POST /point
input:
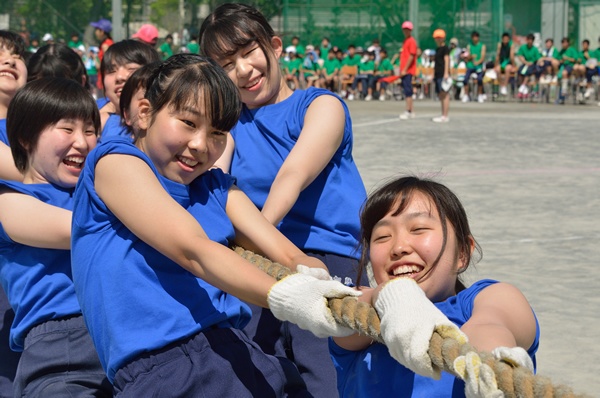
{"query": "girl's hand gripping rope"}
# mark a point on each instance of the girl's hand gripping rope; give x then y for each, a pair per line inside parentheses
(480, 380)
(408, 320)
(515, 356)
(303, 299)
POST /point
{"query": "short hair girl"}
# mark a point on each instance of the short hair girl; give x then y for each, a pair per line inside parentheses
(152, 271)
(52, 126)
(416, 230)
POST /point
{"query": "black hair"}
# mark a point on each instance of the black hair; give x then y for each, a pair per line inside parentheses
(13, 42)
(172, 85)
(233, 26)
(530, 36)
(395, 196)
(586, 41)
(43, 103)
(57, 60)
(138, 79)
(475, 34)
(550, 40)
(506, 34)
(169, 36)
(127, 52)
(565, 39)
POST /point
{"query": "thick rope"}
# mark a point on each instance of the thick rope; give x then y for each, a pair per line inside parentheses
(513, 381)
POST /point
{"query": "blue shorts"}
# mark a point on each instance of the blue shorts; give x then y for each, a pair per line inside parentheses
(438, 84)
(214, 363)
(525, 70)
(9, 359)
(60, 360)
(468, 74)
(407, 85)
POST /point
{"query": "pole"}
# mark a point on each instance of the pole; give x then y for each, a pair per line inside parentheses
(117, 20)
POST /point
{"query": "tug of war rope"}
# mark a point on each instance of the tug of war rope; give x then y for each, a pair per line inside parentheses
(513, 380)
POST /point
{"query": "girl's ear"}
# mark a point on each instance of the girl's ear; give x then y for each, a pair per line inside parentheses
(144, 114)
(463, 256)
(277, 45)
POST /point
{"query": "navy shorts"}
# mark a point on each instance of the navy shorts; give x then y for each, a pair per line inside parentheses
(59, 360)
(568, 68)
(468, 74)
(214, 363)
(407, 86)
(438, 84)
(308, 352)
(8, 358)
(525, 70)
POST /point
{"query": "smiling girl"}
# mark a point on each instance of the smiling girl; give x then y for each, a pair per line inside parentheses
(120, 61)
(52, 126)
(151, 266)
(416, 230)
(291, 153)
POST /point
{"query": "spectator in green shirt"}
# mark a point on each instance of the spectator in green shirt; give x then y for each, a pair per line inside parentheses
(588, 66)
(568, 57)
(292, 71)
(528, 55)
(352, 58)
(310, 69)
(330, 71)
(549, 63)
(166, 49)
(300, 50)
(75, 42)
(385, 69)
(365, 77)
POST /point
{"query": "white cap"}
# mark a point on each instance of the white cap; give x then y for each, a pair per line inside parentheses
(47, 37)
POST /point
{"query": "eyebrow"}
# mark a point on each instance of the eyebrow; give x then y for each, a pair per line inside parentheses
(410, 216)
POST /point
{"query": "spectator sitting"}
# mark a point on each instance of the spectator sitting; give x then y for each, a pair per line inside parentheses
(528, 55)
(549, 63)
(569, 57)
(330, 72)
(474, 57)
(385, 70)
(310, 69)
(365, 77)
(504, 64)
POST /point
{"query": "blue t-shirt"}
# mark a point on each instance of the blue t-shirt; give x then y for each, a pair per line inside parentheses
(373, 373)
(115, 129)
(133, 298)
(325, 217)
(3, 134)
(37, 281)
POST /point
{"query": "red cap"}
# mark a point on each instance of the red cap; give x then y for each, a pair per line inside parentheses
(407, 25)
(147, 33)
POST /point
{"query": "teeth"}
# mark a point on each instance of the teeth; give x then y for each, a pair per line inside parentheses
(75, 159)
(8, 74)
(405, 269)
(188, 162)
(253, 82)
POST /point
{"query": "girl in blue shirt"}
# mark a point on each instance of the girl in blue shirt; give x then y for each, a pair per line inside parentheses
(158, 287)
(416, 235)
(291, 153)
(52, 125)
(120, 61)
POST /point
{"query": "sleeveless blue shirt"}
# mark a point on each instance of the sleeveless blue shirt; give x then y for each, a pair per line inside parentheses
(133, 298)
(373, 372)
(3, 133)
(37, 282)
(325, 217)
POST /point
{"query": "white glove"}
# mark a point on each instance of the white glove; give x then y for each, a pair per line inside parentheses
(318, 273)
(302, 299)
(515, 356)
(480, 380)
(408, 320)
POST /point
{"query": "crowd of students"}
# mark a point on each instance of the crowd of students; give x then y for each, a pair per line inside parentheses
(520, 68)
(116, 218)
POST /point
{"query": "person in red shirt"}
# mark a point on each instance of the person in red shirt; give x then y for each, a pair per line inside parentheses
(408, 68)
(102, 32)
